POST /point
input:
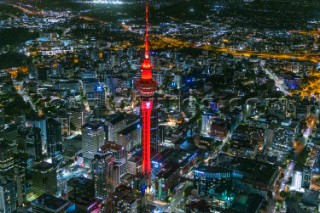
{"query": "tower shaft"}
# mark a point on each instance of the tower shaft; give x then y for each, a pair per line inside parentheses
(146, 109)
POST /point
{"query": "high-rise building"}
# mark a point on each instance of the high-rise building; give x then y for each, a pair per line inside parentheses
(114, 123)
(54, 139)
(123, 200)
(37, 143)
(64, 120)
(41, 123)
(92, 139)
(82, 192)
(219, 129)
(119, 154)
(44, 178)
(207, 177)
(110, 81)
(95, 92)
(130, 136)
(20, 179)
(102, 171)
(22, 138)
(306, 177)
(77, 118)
(301, 178)
(8, 196)
(146, 85)
(206, 121)
(6, 159)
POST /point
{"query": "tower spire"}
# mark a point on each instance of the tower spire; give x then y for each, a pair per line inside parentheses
(146, 54)
(146, 66)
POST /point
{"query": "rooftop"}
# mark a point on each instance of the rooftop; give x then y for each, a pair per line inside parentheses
(93, 126)
(258, 171)
(50, 202)
(212, 169)
(310, 197)
(168, 171)
(115, 118)
(90, 80)
(43, 167)
(130, 128)
(111, 146)
(81, 181)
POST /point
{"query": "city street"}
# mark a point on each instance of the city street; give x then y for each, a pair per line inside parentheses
(287, 175)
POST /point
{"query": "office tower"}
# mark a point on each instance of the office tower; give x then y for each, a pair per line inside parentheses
(54, 139)
(102, 171)
(92, 139)
(22, 138)
(41, 123)
(37, 143)
(130, 136)
(77, 118)
(44, 178)
(64, 120)
(306, 177)
(8, 196)
(95, 92)
(6, 160)
(114, 123)
(119, 154)
(146, 85)
(20, 180)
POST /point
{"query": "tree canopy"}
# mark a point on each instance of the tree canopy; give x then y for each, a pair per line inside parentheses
(14, 36)
(12, 59)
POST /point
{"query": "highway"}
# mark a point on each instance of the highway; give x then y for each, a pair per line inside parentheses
(24, 94)
(25, 10)
(171, 207)
(313, 57)
(177, 199)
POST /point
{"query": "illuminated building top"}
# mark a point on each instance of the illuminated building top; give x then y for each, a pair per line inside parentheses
(146, 84)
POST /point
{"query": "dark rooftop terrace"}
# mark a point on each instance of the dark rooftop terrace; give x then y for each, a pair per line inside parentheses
(254, 170)
(51, 202)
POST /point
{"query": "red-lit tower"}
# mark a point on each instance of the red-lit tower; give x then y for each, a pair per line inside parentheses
(146, 85)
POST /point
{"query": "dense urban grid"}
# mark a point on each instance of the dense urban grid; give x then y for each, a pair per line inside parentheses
(200, 106)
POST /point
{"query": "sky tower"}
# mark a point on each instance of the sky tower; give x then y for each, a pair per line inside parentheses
(146, 85)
